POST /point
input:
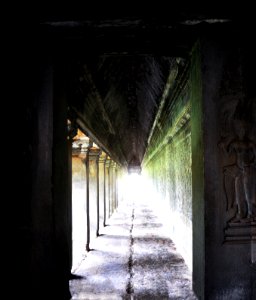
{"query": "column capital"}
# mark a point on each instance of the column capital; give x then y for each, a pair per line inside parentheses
(103, 157)
(108, 161)
(81, 145)
(113, 164)
(94, 152)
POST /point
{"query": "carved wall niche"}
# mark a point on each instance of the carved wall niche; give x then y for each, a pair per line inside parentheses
(238, 151)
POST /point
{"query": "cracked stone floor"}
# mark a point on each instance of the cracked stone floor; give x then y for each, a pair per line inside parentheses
(132, 259)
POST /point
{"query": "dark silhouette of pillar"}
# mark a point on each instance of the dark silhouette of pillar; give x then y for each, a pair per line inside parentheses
(94, 154)
(88, 198)
(102, 162)
(108, 186)
(47, 266)
(116, 187)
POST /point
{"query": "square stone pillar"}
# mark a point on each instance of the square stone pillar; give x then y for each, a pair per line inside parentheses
(117, 185)
(108, 186)
(223, 168)
(94, 154)
(102, 188)
(113, 186)
(46, 208)
(87, 165)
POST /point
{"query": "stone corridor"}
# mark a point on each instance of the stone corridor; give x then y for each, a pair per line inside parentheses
(96, 97)
(133, 258)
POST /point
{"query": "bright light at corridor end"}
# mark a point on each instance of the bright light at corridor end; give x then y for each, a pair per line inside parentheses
(135, 187)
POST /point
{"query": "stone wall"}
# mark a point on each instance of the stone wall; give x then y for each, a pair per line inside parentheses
(168, 165)
(201, 159)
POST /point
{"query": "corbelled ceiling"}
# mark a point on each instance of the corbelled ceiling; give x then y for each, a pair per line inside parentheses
(117, 97)
(118, 71)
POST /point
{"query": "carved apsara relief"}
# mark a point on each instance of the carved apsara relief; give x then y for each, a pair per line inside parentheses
(238, 148)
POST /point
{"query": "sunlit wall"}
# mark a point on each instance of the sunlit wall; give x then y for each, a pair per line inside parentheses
(167, 164)
(170, 174)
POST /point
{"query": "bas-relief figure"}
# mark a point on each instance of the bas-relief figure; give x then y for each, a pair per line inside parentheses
(238, 155)
(236, 110)
(240, 175)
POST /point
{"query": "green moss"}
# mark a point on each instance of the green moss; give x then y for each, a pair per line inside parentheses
(168, 158)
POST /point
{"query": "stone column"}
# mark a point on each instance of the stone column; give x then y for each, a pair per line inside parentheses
(107, 173)
(102, 179)
(112, 187)
(49, 211)
(223, 168)
(41, 261)
(88, 236)
(116, 188)
(94, 154)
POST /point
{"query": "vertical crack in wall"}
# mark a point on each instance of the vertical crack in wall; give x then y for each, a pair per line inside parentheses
(129, 286)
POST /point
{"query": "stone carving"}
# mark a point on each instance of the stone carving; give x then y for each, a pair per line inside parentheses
(239, 177)
(236, 109)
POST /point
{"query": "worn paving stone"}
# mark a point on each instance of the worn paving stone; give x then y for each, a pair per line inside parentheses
(134, 258)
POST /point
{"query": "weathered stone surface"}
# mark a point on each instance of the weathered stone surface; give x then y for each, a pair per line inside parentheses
(219, 102)
(135, 258)
(168, 164)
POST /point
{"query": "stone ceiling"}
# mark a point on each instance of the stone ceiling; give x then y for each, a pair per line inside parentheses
(118, 70)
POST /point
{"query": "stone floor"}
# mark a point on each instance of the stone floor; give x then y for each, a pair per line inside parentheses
(132, 259)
